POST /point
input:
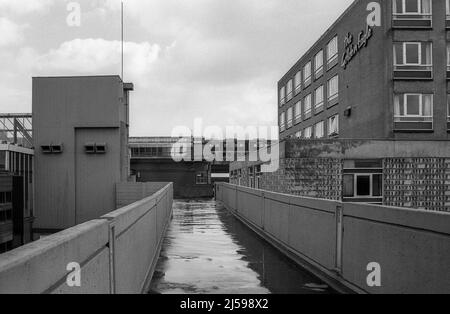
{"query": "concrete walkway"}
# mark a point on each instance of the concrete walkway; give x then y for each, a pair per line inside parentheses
(208, 251)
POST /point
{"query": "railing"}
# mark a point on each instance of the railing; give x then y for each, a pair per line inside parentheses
(116, 253)
(407, 250)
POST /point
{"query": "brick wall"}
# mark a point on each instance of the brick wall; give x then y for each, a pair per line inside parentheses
(422, 183)
(310, 177)
(419, 183)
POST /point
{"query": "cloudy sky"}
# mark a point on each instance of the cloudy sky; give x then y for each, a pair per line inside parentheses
(218, 60)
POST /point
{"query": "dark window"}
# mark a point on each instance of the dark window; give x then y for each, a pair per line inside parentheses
(377, 185)
(348, 186)
(363, 185)
(411, 6)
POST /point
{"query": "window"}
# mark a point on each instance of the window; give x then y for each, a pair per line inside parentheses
(298, 112)
(283, 122)
(298, 82)
(289, 118)
(448, 58)
(411, 7)
(298, 134)
(413, 111)
(414, 107)
(332, 52)
(448, 12)
(318, 64)
(308, 132)
(318, 100)
(289, 90)
(333, 126)
(308, 108)
(201, 178)
(413, 60)
(448, 111)
(363, 185)
(307, 74)
(319, 130)
(333, 91)
(2, 160)
(412, 13)
(413, 56)
(282, 96)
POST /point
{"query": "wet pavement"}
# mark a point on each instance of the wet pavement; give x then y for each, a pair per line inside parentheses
(208, 251)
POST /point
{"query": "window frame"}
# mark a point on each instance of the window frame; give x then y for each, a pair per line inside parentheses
(289, 118)
(403, 11)
(306, 131)
(317, 70)
(283, 121)
(320, 123)
(282, 96)
(318, 107)
(421, 106)
(298, 112)
(306, 111)
(330, 96)
(448, 106)
(371, 187)
(289, 90)
(333, 134)
(307, 80)
(332, 58)
(298, 83)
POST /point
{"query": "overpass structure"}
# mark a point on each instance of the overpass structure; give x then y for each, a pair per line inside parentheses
(358, 248)
(116, 253)
(354, 248)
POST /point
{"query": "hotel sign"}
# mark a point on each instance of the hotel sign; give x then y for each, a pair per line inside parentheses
(352, 46)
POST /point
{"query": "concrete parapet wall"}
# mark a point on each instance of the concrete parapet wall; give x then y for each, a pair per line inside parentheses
(116, 253)
(337, 241)
(127, 192)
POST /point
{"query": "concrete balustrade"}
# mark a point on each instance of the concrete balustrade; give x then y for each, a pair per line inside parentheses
(337, 241)
(116, 253)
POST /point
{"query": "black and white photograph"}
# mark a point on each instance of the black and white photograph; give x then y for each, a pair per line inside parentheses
(219, 155)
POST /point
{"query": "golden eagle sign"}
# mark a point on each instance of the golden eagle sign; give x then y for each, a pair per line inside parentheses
(352, 46)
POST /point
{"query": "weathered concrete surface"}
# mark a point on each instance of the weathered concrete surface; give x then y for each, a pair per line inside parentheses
(128, 192)
(412, 247)
(117, 253)
(207, 250)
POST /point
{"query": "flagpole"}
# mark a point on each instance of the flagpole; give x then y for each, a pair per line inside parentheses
(122, 36)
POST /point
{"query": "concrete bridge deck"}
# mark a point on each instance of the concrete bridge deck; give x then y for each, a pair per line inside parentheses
(207, 250)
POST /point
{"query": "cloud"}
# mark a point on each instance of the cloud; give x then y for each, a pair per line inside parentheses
(219, 60)
(12, 33)
(95, 56)
(24, 6)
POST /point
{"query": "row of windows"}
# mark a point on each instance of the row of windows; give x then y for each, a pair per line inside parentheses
(303, 110)
(318, 130)
(304, 77)
(409, 108)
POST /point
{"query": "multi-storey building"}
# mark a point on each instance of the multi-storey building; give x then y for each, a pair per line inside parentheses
(151, 161)
(16, 196)
(386, 80)
(364, 115)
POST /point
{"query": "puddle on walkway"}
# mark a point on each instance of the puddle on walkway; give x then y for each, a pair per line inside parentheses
(208, 251)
